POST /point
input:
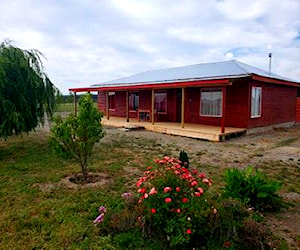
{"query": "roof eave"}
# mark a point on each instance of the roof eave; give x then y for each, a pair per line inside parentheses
(162, 84)
(273, 80)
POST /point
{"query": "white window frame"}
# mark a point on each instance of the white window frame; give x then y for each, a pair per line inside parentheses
(256, 93)
(212, 90)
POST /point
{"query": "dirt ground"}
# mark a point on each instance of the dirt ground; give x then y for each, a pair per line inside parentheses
(278, 145)
(276, 152)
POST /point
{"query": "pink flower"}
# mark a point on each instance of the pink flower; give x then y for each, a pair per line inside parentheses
(178, 210)
(102, 209)
(177, 189)
(153, 191)
(194, 183)
(168, 200)
(188, 231)
(139, 183)
(200, 190)
(207, 181)
(145, 196)
(153, 210)
(99, 219)
(167, 189)
(214, 210)
(185, 200)
(126, 195)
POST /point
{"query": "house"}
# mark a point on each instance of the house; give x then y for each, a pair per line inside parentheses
(223, 95)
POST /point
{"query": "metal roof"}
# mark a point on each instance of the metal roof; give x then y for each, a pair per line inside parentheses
(204, 71)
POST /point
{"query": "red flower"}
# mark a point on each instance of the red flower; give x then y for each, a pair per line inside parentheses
(168, 200)
(185, 200)
(227, 244)
(177, 189)
(153, 210)
(197, 194)
(194, 171)
(167, 189)
(202, 175)
(188, 231)
(142, 190)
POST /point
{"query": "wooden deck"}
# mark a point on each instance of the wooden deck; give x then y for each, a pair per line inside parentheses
(211, 133)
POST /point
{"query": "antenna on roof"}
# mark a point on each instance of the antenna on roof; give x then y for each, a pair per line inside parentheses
(270, 62)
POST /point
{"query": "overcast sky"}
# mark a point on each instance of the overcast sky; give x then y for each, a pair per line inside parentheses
(93, 41)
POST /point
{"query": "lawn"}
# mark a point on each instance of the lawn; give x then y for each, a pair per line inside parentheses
(57, 217)
(37, 212)
(66, 107)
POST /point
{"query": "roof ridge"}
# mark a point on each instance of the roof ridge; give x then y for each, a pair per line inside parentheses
(237, 63)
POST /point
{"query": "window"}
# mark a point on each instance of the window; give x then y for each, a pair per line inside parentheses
(112, 100)
(133, 101)
(256, 102)
(161, 103)
(211, 102)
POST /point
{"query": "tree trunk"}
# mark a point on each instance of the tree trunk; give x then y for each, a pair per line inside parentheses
(84, 169)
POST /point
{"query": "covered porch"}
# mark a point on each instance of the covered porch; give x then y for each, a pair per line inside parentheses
(197, 131)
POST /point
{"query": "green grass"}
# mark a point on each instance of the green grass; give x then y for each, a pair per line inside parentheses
(57, 217)
(65, 107)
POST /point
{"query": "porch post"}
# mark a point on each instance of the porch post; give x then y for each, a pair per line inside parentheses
(182, 106)
(127, 107)
(152, 106)
(107, 104)
(223, 109)
(75, 104)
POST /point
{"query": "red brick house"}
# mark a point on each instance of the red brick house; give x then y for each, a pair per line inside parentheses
(224, 94)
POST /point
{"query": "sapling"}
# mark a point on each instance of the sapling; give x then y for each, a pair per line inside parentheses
(76, 136)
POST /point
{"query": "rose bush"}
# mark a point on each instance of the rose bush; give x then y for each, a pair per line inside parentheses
(172, 201)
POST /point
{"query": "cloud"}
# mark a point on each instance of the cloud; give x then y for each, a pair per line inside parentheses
(88, 42)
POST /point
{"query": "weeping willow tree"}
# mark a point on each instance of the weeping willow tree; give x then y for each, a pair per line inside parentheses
(26, 93)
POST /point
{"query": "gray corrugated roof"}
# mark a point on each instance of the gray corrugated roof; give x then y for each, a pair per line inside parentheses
(217, 70)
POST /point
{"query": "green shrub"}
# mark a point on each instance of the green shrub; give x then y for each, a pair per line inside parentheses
(252, 187)
(184, 158)
(173, 204)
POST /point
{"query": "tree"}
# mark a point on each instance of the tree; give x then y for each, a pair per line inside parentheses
(26, 93)
(76, 136)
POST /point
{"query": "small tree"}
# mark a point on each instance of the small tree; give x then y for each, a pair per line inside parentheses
(75, 137)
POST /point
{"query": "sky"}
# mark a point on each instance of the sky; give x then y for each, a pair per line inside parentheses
(87, 42)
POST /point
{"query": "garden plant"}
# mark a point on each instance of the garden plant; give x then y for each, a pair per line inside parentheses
(76, 136)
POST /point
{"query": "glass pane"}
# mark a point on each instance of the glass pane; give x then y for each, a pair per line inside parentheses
(211, 103)
(161, 102)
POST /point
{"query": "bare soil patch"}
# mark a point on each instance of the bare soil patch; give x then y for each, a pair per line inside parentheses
(77, 181)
